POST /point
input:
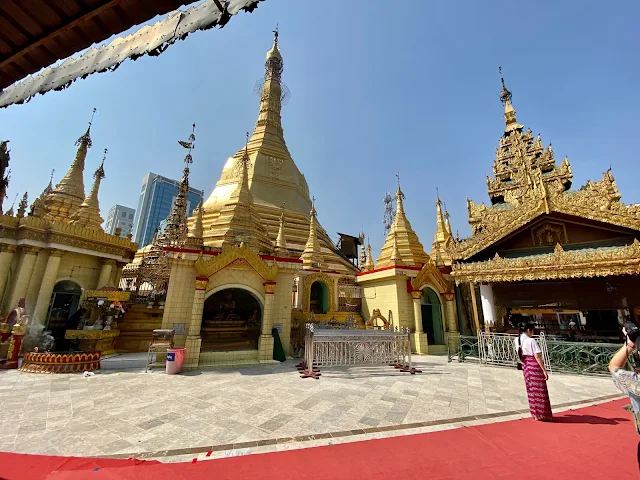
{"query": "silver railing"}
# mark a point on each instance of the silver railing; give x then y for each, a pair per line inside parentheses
(560, 356)
(500, 349)
(325, 347)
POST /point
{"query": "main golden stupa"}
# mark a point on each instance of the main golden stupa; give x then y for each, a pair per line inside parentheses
(277, 190)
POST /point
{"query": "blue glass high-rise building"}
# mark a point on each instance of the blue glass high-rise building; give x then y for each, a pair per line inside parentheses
(155, 203)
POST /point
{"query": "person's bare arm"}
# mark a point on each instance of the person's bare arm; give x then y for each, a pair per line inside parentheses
(620, 358)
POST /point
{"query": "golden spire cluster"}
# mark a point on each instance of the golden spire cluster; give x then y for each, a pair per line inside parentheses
(443, 239)
(88, 214)
(68, 194)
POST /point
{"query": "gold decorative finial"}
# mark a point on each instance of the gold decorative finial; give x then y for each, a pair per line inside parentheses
(86, 138)
(275, 35)
(505, 94)
(100, 171)
(246, 144)
(398, 177)
(53, 170)
(190, 144)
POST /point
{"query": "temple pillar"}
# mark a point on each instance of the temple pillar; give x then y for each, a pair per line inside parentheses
(23, 276)
(105, 273)
(418, 337)
(488, 306)
(474, 302)
(36, 279)
(453, 333)
(265, 342)
(178, 306)
(6, 257)
(193, 343)
(116, 274)
(46, 286)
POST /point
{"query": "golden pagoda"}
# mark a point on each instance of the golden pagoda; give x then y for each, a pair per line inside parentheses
(51, 257)
(274, 185)
(255, 258)
(402, 240)
(68, 194)
(406, 289)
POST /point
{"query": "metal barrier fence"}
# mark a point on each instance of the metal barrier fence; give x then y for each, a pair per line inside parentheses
(581, 357)
(559, 356)
(328, 347)
(463, 348)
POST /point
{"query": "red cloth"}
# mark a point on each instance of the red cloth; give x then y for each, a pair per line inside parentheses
(502, 450)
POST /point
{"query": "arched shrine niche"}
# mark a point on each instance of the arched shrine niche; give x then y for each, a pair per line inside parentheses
(231, 321)
(432, 316)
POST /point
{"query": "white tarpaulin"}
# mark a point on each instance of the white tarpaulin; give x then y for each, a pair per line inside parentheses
(149, 40)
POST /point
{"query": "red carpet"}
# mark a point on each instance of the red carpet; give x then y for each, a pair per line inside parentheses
(593, 442)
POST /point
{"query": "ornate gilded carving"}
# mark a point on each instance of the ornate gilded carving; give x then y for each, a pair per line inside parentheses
(269, 287)
(549, 233)
(561, 264)
(416, 295)
(230, 253)
(430, 274)
(527, 183)
(599, 201)
(111, 295)
(376, 315)
(201, 283)
(449, 296)
(306, 290)
(5, 247)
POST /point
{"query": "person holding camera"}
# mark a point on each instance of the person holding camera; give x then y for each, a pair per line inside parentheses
(627, 380)
(535, 374)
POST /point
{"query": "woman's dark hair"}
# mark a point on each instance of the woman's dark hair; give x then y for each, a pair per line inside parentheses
(527, 326)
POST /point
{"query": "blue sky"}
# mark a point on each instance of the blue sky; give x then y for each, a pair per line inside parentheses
(375, 90)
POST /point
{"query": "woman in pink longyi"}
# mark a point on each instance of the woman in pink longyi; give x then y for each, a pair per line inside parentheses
(535, 375)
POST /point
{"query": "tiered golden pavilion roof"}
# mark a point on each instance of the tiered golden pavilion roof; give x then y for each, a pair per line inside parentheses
(402, 246)
(275, 188)
(528, 184)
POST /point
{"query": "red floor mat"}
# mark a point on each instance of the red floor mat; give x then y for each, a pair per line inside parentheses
(593, 442)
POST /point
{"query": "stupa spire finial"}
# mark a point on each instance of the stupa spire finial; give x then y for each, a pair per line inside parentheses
(509, 112)
(505, 94)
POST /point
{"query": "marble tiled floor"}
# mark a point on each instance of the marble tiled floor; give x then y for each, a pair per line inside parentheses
(130, 412)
